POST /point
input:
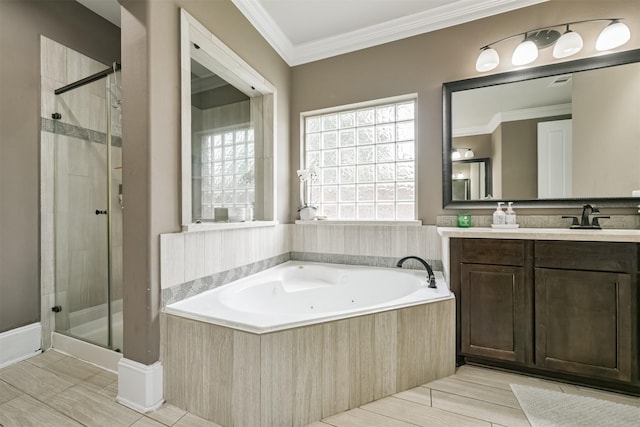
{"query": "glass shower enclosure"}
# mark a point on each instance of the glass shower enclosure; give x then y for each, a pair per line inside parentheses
(88, 209)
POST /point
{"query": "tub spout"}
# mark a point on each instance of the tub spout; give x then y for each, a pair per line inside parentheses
(431, 278)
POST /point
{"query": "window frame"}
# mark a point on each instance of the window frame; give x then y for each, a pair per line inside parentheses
(358, 106)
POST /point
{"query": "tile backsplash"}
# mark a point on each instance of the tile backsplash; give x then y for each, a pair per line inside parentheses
(545, 221)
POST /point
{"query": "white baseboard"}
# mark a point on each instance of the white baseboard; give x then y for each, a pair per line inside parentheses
(99, 356)
(20, 344)
(139, 385)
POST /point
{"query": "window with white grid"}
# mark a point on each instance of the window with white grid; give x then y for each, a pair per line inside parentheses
(228, 168)
(365, 160)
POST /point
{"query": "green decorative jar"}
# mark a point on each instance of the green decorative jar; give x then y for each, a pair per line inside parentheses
(464, 220)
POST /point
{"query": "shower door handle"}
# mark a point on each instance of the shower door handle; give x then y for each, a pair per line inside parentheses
(98, 212)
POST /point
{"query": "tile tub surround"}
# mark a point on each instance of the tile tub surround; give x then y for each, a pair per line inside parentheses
(203, 284)
(197, 261)
(394, 240)
(372, 261)
(194, 287)
(298, 376)
(192, 255)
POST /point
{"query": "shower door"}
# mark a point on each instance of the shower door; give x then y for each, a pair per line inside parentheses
(88, 217)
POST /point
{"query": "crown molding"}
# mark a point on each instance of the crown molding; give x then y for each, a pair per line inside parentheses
(430, 20)
(267, 27)
(512, 116)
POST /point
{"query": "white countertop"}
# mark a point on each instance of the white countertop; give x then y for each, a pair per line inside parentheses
(606, 235)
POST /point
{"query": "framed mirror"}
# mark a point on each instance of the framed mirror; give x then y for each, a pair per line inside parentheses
(227, 134)
(555, 136)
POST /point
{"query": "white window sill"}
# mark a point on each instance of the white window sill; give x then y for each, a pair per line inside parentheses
(206, 226)
(416, 223)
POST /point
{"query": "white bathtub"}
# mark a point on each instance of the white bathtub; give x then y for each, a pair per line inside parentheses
(299, 293)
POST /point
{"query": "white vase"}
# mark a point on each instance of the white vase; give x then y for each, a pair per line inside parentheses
(308, 213)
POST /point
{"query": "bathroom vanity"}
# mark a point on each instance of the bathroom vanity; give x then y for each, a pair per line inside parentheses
(556, 303)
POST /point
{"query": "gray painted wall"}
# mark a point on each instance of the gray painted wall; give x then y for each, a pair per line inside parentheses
(615, 102)
(520, 157)
(151, 155)
(21, 24)
(423, 63)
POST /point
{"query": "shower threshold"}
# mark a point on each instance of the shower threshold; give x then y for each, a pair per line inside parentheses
(99, 356)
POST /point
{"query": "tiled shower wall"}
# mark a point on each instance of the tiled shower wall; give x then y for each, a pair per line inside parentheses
(73, 153)
(193, 262)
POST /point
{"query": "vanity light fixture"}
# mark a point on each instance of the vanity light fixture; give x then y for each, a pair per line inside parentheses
(614, 35)
(525, 53)
(455, 154)
(568, 44)
(488, 59)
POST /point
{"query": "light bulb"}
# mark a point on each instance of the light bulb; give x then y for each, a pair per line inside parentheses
(455, 155)
(525, 53)
(469, 154)
(568, 44)
(460, 175)
(487, 60)
(613, 35)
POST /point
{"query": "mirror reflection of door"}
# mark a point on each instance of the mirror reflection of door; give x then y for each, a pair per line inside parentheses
(554, 159)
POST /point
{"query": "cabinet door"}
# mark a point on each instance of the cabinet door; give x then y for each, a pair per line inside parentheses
(583, 322)
(496, 313)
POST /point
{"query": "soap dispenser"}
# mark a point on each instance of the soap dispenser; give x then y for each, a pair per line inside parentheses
(498, 215)
(510, 215)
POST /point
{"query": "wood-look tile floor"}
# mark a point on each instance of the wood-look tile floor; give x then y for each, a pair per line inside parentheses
(56, 390)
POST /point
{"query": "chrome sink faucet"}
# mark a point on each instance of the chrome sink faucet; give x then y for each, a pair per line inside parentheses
(431, 278)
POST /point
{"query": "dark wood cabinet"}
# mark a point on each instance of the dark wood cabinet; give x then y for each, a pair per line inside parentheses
(495, 312)
(495, 309)
(583, 322)
(563, 309)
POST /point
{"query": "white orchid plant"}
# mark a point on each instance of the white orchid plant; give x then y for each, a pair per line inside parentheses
(306, 176)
